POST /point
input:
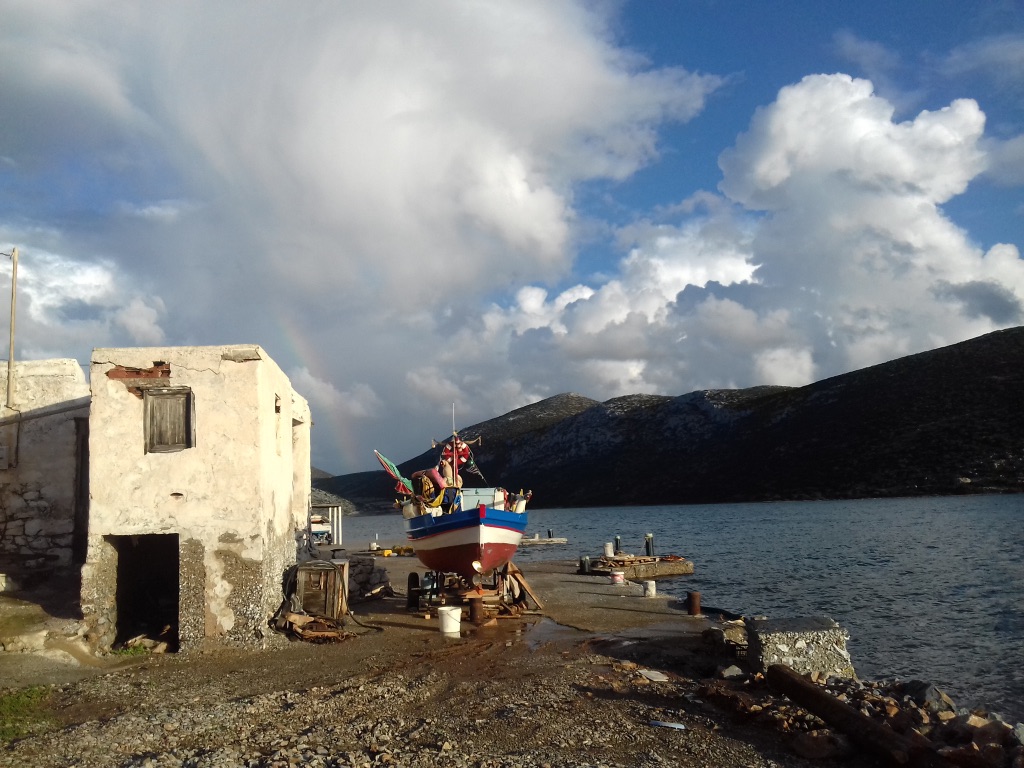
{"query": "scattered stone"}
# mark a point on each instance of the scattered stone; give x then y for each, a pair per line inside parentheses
(731, 672)
(654, 676)
(817, 745)
(927, 696)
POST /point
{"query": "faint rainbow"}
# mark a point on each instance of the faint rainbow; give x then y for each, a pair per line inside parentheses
(340, 435)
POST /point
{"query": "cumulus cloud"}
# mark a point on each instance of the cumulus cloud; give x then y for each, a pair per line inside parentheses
(829, 251)
(983, 298)
(65, 304)
(141, 321)
(342, 173)
(1006, 161)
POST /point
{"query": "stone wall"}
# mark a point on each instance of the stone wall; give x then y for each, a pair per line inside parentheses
(808, 645)
(39, 463)
(366, 577)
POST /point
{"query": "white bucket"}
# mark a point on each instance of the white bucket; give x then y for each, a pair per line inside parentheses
(609, 549)
(618, 577)
(451, 618)
(650, 590)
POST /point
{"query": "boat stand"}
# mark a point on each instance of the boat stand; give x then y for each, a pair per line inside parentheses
(503, 593)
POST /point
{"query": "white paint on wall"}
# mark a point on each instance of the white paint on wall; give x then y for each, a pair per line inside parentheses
(241, 491)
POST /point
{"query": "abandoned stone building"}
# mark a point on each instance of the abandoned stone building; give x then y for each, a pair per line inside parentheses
(180, 488)
(199, 485)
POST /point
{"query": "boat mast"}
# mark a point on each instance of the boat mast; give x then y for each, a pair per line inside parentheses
(455, 451)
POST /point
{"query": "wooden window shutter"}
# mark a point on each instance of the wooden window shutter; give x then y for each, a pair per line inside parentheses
(169, 420)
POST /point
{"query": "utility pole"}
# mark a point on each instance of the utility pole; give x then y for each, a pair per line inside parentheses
(14, 302)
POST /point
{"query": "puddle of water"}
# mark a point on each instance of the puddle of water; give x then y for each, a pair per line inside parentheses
(548, 631)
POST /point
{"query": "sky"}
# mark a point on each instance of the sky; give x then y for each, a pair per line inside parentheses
(411, 205)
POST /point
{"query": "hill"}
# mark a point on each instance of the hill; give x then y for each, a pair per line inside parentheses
(941, 422)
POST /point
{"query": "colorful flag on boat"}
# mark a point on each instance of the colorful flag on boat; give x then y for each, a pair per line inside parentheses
(402, 484)
(471, 468)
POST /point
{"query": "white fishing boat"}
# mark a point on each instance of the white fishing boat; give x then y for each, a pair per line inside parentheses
(456, 529)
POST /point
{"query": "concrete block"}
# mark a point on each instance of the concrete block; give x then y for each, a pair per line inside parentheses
(807, 645)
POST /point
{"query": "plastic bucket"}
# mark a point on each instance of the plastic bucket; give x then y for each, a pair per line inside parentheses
(609, 549)
(650, 590)
(451, 618)
(618, 577)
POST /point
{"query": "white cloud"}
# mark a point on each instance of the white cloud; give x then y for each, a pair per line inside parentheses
(167, 211)
(834, 128)
(1006, 160)
(431, 385)
(784, 367)
(66, 306)
(834, 255)
(141, 321)
(50, 282)
(1000, 57)
(877, 63)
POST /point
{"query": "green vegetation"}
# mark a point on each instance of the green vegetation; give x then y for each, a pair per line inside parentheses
(23, 712)
(130, 650)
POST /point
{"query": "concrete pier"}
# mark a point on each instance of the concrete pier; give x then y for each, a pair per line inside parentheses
(642, 568)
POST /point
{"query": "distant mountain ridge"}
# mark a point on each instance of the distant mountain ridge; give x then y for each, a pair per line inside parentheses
(941, 422)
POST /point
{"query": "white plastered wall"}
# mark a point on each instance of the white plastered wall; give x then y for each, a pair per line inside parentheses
(230, 499)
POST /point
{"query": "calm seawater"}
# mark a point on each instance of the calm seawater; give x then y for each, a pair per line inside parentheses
(929, 588)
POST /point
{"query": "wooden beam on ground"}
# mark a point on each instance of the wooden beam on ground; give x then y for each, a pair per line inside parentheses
(870, 734)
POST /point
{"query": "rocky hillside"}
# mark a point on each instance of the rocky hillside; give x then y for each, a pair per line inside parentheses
(941, 422)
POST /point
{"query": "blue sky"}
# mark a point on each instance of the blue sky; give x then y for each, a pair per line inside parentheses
(489, 203)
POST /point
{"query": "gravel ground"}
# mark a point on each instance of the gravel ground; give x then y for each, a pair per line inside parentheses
(524, 693)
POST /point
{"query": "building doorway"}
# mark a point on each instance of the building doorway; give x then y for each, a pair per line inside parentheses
(147, 587)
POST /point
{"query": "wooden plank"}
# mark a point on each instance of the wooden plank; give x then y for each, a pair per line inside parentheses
(516, 574)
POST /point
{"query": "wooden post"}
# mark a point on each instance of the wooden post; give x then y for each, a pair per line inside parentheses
(693, 603)
(476, 609)
(14, 302)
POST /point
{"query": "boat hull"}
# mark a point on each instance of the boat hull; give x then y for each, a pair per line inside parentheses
(467, 542)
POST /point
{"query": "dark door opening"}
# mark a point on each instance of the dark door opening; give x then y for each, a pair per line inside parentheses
(80, 535)
(147, 588)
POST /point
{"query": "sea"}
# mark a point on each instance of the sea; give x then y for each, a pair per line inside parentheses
(928, 588)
